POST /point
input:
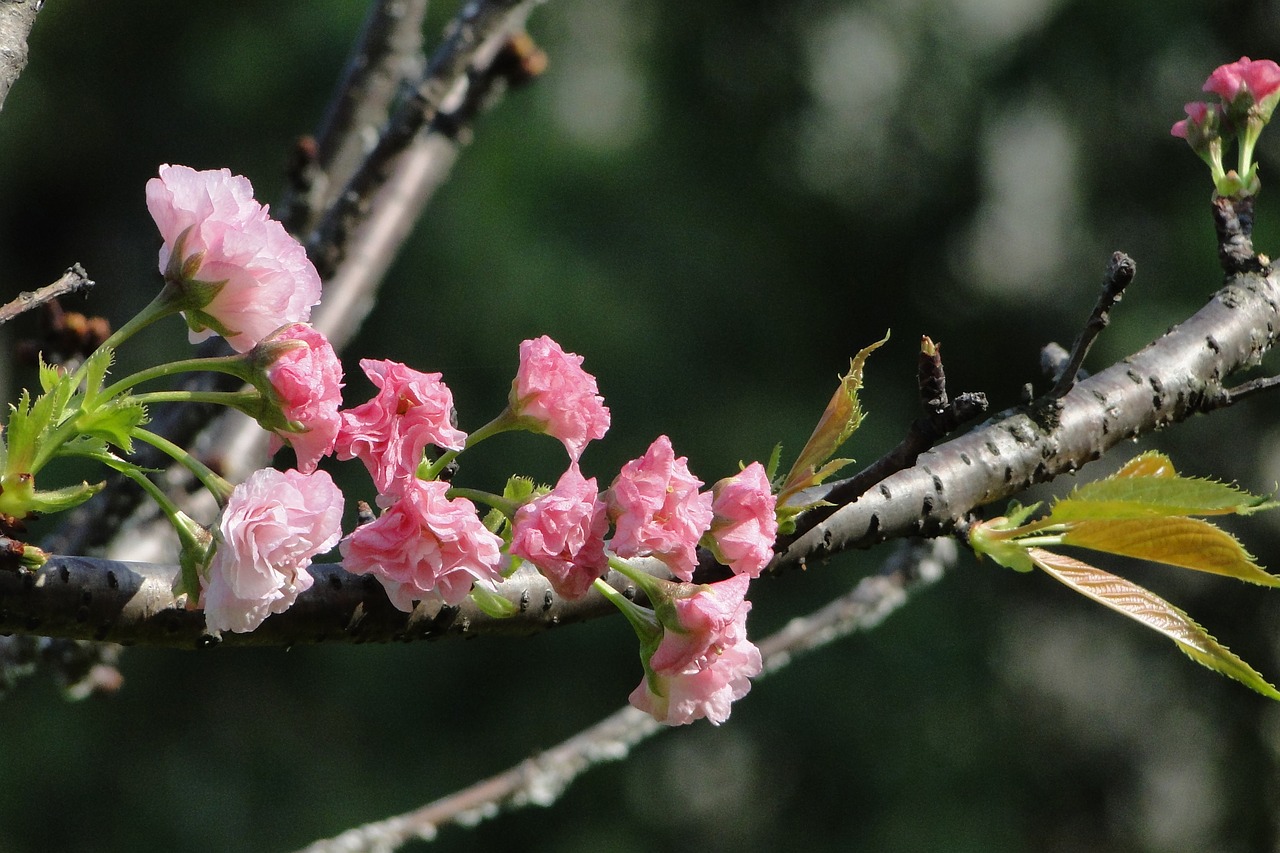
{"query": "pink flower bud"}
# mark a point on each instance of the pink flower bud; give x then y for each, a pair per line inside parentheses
(656, 509)
(272, 526)
(562, 534)
(1257, 80)
(307, 378)
(425, 545)
(743, 525)
(389, 433)
(552, 388)
(215, 233)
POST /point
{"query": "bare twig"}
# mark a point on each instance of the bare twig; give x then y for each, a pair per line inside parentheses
(17, 17)
(539, 781)
(75, 278)
(1120, 272)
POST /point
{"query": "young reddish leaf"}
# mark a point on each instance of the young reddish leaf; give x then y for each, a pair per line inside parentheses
(1149, 486)
(1151, 610)
(841, 418)
(1186, 542)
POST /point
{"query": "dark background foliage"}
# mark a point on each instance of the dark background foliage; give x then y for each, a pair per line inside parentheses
(717, 204)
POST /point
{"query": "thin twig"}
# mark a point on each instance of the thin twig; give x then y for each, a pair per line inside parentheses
(75, 278)
(540, 781)
(1120, 272)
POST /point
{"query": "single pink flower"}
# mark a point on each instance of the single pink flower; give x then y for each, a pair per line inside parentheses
(706, 688)
(743, 524)
(552, 389)
(389, 433)
(306, 376)
(701, 622)
(1259, 78)
(425, 544)
(215, 233)
(1199, 114)
(272, 526)
(656, 509)
(562, 534)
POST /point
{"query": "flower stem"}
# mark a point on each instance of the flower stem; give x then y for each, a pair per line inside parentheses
(218, 487)
(232, 364)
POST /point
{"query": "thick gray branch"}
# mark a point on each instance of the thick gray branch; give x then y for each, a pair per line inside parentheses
(1170, 380)
(16, 19)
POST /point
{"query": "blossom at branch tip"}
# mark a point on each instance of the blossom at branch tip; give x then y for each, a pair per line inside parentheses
(306, 377)
(245, 275)
(552, 390)
(562, 534)
(273, 525)
(744, 524)
(1202, 121)
(390, 432)
(1257, 78)
(656, 509)
(425, 545)
(704, 662)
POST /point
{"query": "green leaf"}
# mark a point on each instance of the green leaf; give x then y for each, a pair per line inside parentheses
(1154, 612)
(1190, 543)
(775, 458)
(1149, 486)
(839, 420)
(491, 603)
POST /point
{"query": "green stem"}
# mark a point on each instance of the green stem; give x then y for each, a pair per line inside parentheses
(245, 401)
(218, 487)
(232, 364)
(506, 507)
(642, 619)
(162, 306)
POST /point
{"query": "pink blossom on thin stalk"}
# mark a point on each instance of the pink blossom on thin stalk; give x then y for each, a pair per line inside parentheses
(273, 525)
(214, 232)
(562, 534)
(389, 433)
(425, 545)
(656, 509)
(307, 378)
(704, 662)
(1199, 116)
(551, 388)
(743, 524)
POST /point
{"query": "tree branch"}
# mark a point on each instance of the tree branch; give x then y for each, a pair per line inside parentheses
(1170, 380)
(17, 17)
(75, 278)
(539, 781)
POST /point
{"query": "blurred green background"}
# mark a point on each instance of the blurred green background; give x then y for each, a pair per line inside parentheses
(716, 203)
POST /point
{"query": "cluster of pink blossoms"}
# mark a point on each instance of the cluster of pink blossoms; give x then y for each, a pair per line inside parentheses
(237, 273)
(1247, 92)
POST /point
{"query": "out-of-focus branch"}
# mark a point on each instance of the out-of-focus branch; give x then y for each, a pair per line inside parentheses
(540, 781)
(17, 17)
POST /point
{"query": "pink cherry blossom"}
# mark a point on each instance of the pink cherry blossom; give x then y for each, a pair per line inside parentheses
(706, 688)
(552, 388)
(656, 509)
(211, 222)
(424, 545)
(1259, 78)
(707, 619)
(562, 534)
(743, 524)
(307, 378)
(389, 433)
(1198, 115)
(273, 524)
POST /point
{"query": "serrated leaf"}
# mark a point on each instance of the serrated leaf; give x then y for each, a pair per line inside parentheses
(1149, 486)
(1189, 543)
(1149, 609)
(775, 458)
(841, 418)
